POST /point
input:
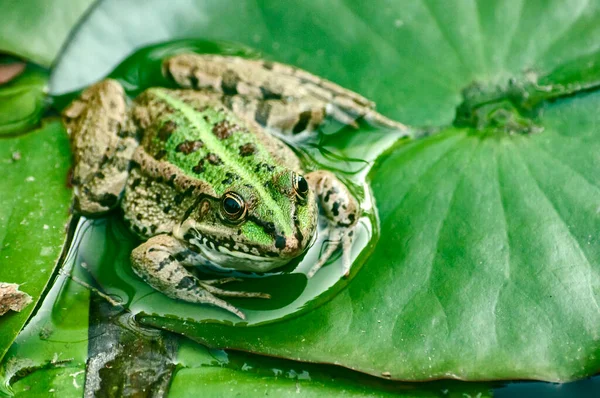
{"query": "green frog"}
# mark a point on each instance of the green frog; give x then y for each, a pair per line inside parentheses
(203, 176)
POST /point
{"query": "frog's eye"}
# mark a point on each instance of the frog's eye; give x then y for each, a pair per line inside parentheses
(300, 186)
(233, 207)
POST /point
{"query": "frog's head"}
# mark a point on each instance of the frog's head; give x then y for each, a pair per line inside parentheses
(254, 227)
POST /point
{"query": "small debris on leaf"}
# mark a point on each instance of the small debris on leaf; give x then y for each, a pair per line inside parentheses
(11, 298)
(386, 374)
(10, 71)
(16, 156)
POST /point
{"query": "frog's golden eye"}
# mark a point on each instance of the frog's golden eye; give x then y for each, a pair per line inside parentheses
(300, 186)
(233, 207)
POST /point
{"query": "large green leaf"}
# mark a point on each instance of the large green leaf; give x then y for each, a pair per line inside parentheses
(34, 210)
(488, 263)
(37, 29)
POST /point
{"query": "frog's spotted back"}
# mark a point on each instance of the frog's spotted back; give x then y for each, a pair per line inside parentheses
(194, 132)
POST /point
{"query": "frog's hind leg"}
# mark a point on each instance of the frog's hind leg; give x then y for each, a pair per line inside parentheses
(102, 146)
(277, 88)
(341, 210)
(161, 262)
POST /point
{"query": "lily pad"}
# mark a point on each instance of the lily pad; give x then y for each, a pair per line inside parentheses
(36, 29)
(34, 211)
(488, 262)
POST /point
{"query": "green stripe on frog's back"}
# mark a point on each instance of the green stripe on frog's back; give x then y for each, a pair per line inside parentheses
(216, 157)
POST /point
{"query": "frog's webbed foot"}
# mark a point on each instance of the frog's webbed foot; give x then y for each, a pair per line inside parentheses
(341, 209)
(101, 146)
(161, 262)
(275, 95)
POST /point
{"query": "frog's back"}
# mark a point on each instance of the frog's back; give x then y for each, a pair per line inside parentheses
(193, 145)
(194, 131)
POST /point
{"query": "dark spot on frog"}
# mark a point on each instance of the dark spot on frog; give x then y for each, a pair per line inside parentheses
(193, 79)
(171, 181)
(269, 227)
(268, 65)
(269, 95)
(225, 129)
(279, 242)
(247, 149)
(178, 198)
(188, 147)
(326, 198)
(153, 229)
(114, 125)
(161, 154)
(166, 130)
(188, 236)
(157, 198)
(199, 168)
(99, 174)
(139, 216)
(351, 218)
(268, 167)
(302, 122)
(165, 262)
(351, 233)
(229, 82)
(213, 159)
(108, 200)
(239, 231)
(186, 282)
(227, 101)
(189, 190)
(262, 113)
(230, 177)
(299, 236)
(335, 209)
(166, 209)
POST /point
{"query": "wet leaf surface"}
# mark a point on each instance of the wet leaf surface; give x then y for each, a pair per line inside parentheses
(34, 211)
(488, 263)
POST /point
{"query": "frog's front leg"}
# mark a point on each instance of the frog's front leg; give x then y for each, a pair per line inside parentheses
(161, 262)
(341, 209)
(102, 146)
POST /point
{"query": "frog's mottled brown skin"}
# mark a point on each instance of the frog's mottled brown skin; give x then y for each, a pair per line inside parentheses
(173, 157)
(276, 95)
(101, 162)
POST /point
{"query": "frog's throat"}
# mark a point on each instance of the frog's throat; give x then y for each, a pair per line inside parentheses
(223, 256)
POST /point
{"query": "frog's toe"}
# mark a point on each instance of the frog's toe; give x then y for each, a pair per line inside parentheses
(221, 281)
(232, 293)
(331, 246)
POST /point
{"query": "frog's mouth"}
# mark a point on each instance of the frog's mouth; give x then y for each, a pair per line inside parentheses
(230, 254)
